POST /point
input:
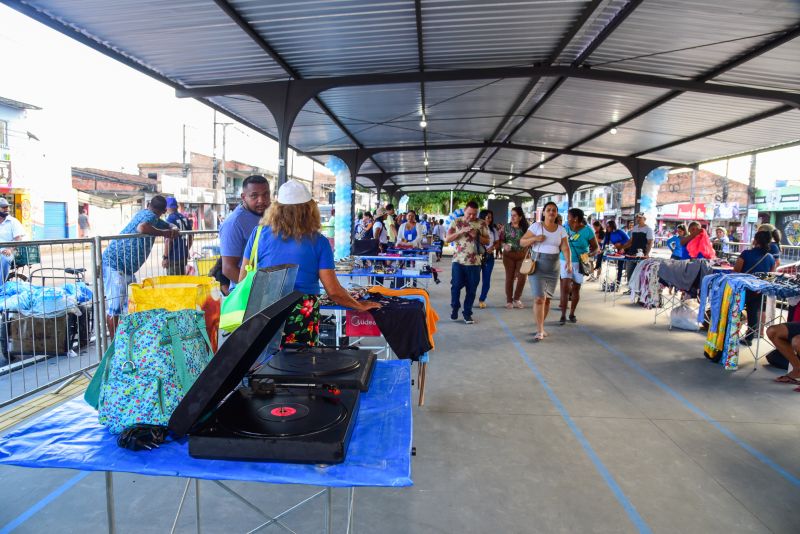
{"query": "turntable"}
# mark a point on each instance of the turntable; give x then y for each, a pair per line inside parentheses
(266, 421)
(343, 368)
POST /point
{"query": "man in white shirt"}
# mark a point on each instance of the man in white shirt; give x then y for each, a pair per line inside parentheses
(10, 230)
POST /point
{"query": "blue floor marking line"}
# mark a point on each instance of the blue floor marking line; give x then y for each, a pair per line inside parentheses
(33, 510)
(636, 366)
(630, 509)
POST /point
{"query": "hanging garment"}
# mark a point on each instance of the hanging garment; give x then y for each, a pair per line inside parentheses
(403, 324)
(431, 317)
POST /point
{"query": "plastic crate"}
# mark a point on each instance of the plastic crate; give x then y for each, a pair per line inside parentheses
(26, 255)
(204, 265)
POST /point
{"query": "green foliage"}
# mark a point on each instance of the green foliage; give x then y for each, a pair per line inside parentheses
(439, 201)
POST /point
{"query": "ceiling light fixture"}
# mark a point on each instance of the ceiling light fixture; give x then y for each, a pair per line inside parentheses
(427, 188)
(423, 123)
(426, 161)
(542, 158)
(613, 131)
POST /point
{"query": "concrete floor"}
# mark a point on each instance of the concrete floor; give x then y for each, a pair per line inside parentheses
(609, 425)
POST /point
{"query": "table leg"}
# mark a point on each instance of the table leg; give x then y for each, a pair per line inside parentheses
(180, 506)
(110, 512)
(423, 371)
(197, 502)
(329, 512)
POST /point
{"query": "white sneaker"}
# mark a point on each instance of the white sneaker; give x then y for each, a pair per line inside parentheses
(518, 304)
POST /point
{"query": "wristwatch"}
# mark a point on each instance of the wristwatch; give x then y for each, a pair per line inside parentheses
(165, 257)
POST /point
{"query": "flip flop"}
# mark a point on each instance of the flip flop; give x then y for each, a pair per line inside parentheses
(538, 337)
(786, 379)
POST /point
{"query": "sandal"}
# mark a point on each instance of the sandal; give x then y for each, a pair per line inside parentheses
(538, 337)
(573, 319)
(509, 305)
(786, 379)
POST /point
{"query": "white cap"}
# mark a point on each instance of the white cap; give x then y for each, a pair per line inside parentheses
(293, 192)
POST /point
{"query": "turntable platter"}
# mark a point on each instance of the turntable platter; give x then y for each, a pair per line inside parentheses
(287, 413)
(314, 364)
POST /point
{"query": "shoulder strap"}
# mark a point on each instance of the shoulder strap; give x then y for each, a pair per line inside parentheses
(254, 251)
(756, 264)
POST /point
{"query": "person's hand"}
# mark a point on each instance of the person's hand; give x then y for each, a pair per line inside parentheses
(506, 247)
(569, 268)
(6, 252)
(368, 305)
(165, 263)
(172, 233)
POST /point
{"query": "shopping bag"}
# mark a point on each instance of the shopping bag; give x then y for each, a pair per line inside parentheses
(92, 393)
(360, 324)
(175, 293)
(235, 304)
(154, 360)
(684, 317)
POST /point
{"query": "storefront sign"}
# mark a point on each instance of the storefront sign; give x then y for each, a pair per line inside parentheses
(599, 205)
(752, 215)
(692, 212)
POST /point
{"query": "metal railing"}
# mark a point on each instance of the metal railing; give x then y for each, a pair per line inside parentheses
(53, 304)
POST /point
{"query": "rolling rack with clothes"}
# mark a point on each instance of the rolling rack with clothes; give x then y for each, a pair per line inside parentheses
(643, 283)
(683, 278)
(725, 295)
(611, 286)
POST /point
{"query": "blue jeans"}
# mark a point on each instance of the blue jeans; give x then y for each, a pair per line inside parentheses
(464, 276)
(486, 277)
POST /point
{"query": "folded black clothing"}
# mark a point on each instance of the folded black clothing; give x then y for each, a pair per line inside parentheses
(403, 325)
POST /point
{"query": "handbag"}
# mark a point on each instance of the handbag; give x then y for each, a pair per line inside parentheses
(585, 264)
(235, 304)
(155, 358)
(529, 264)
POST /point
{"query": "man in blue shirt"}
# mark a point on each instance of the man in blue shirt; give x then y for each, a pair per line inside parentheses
(176, 251)
(617, 238)
(124, 257)
(240, 223)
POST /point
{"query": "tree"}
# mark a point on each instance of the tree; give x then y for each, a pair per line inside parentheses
(439, 201)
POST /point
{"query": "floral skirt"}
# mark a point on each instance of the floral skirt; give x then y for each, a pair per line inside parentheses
(302, 325)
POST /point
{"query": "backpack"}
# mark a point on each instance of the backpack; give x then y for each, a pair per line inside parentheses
(155, 358)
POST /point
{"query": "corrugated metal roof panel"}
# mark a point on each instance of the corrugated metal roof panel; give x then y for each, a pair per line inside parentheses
(776, 69)
(690, 37)
(192, 41)
(325, 38)
(313, 130)
(476, 33)
(438, 159)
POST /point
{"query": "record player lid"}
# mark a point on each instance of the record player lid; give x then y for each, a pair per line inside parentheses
(230, 364)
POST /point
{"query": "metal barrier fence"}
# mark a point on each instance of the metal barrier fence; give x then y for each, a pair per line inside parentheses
(53, 307)
(789, 253)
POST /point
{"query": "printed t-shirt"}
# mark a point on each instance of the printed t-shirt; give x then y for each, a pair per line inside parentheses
(578, 242)
(552, 241)
(466, 250)
(752, 257)
(128, 255)
(310, 254)
(511, 236)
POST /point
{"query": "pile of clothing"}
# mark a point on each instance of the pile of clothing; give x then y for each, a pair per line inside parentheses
(725, 294)
(43, 301)
(644, 284)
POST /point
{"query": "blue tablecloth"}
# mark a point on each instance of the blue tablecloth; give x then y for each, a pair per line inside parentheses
(379, 453)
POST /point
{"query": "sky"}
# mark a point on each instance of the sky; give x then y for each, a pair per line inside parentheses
(101, 113)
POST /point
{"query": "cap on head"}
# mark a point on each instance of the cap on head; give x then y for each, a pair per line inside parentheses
(293, 192)
(3, 203)
(172, 203)
(380, 212)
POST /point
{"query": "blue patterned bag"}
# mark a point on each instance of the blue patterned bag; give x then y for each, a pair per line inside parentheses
(157, 357)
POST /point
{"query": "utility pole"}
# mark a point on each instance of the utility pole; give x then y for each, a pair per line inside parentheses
(751, 195)
(215, 164)
(214, 168)
(185, 169)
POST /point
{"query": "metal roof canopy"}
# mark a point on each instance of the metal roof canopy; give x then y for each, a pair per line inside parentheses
(518, 97)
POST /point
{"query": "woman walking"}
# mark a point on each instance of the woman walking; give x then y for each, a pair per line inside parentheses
(513, 254)
(487, 263)
(582, 244)
(547, 239)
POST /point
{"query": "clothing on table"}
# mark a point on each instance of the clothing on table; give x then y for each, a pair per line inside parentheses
(512, 261)
(464, 277)
(310, 254)
(403, 324)
(466, 245)
(757, 260)
(684, 275)
(129, 254)
(644, 283)
(302, 324)
(511, 236)
(236, 230)
(552, 240)
(431, 317)
(544, 280)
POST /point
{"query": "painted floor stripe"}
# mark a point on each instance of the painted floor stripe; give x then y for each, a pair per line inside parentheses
(633, 364)
(626, 504)
(36, 508)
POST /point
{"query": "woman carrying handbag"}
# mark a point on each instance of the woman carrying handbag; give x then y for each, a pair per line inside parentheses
(547, 238)
(513, 255)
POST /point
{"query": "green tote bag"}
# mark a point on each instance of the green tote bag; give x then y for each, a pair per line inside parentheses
(235, 304)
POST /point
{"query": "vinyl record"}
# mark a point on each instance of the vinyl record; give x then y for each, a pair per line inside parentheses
(314, 363)
(287, 413)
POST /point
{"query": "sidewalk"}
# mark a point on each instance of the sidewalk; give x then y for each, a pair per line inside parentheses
(609, 425)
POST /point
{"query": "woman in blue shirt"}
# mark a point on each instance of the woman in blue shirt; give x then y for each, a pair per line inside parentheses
(679, 252)
(755, 260)
(582, 244)
(289, 233)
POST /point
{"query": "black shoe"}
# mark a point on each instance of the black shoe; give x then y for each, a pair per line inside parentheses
(746, 342)
(573, 319)
(454, 314)
(469, 320)
(562, 321)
